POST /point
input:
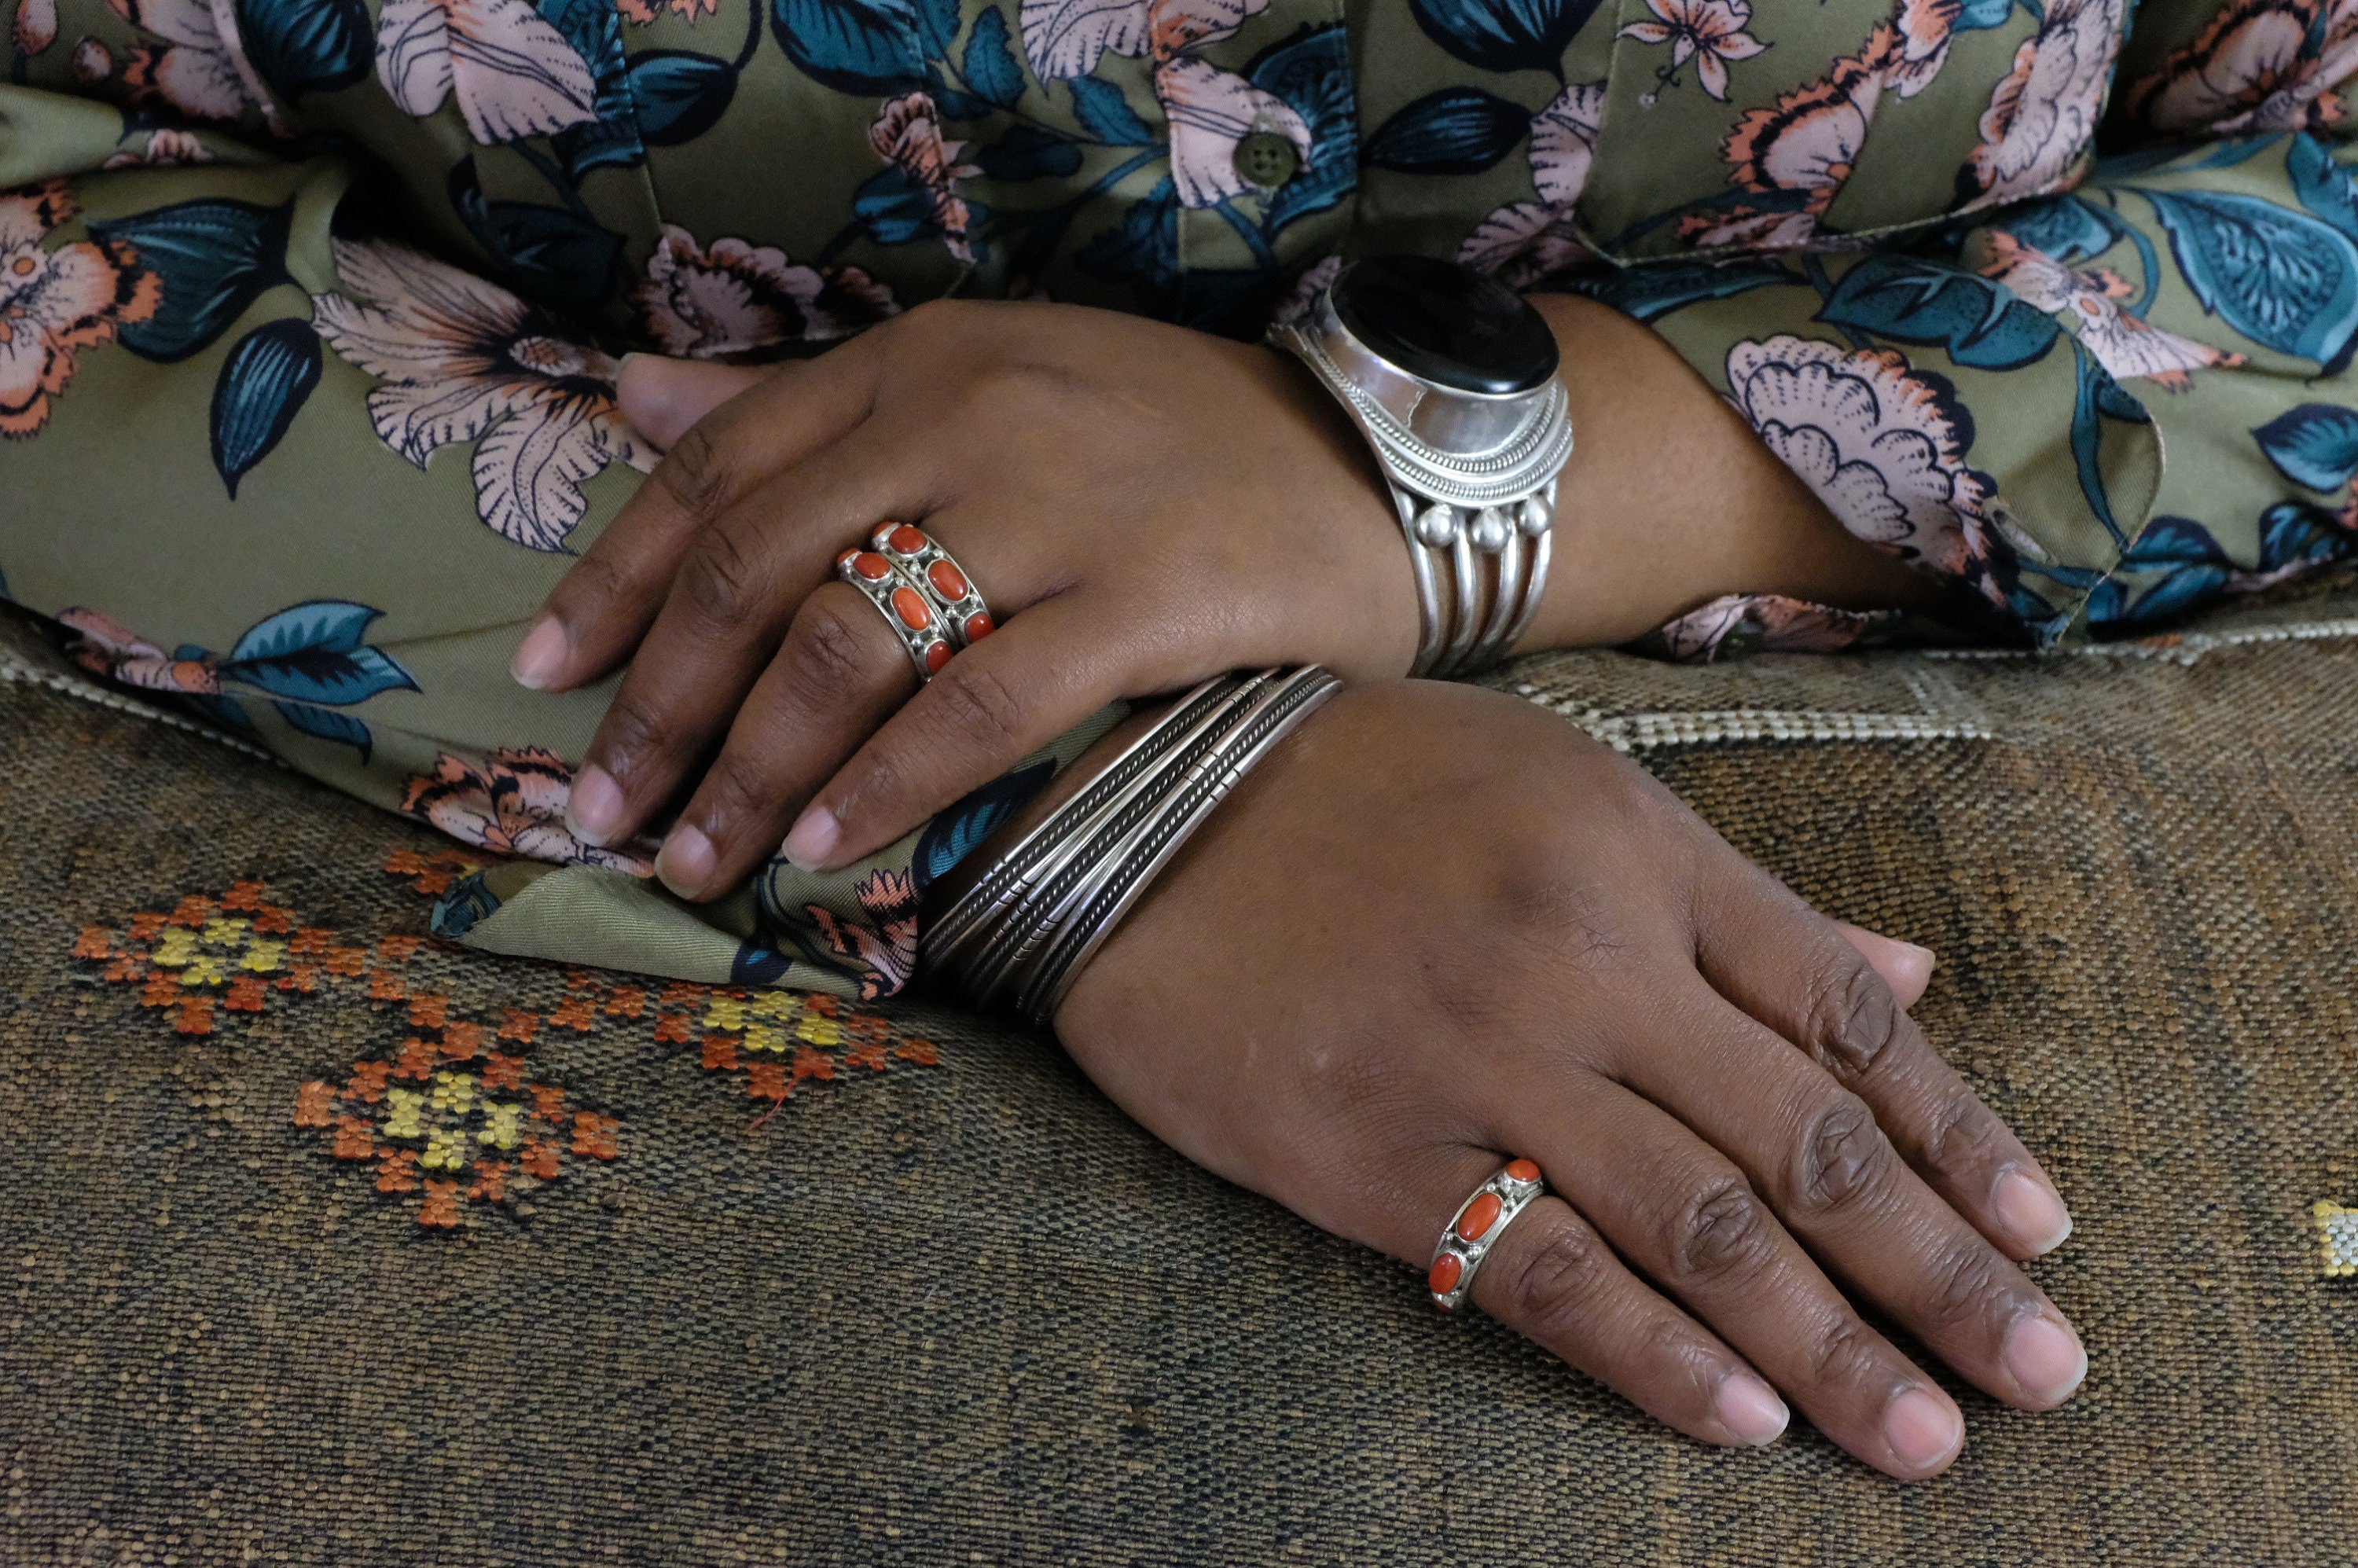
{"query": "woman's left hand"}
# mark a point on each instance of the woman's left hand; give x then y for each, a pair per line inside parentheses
(1141, 506)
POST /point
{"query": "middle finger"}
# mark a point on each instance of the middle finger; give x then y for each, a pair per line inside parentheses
(1813, 1149)
(739, 584)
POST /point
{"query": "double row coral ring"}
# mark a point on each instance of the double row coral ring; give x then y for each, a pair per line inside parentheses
(923, 595)
(1477, 1226)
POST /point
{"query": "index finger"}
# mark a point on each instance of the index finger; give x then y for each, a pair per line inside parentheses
(600, 609)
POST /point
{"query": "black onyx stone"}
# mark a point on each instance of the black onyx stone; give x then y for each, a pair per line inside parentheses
(1445, 323)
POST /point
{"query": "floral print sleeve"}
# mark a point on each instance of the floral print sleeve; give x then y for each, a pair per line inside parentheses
(310, 312)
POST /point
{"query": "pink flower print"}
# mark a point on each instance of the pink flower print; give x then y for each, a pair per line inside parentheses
(1878, 443)
(105, 646)
(2123, 342)
(55, 303)
(460, 360)
(2042, 117)
(512, 801)
(163, 150)
(513, 74)
(2257, 67)
(1709, 32)
(882, 951)
(36, 27)
(908, 136)
(1910, 50)
(735, 298)
(1209, 109)
(199, 69)
(1808, 141)
(1524, 241)
(1761, 623)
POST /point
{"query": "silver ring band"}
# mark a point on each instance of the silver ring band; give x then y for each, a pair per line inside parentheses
(1476, 1227)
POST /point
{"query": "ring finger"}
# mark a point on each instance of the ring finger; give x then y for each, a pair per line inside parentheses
(1686, 1217)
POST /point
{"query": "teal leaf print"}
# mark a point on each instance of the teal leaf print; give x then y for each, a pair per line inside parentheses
(263, 386)
(2321, 184)
(555, 255)
(1979, 322)
(1655, 290)
(680, 94)
(958, 831)
(2282, 278)
(1458, 129)
(872, 49)
(1106, 114)
(213, 257)
(1504, 34)
(306, 46)
(313, 653)
(1311, 74)
(1026, 152)
(318, 722)
(1977, 14)
(2314, 445)
(2065, 227)
(989, 63)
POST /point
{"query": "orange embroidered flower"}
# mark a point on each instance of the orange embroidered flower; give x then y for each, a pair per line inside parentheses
(398, 1172)
(416, 1061)
(573, 1012)
(628, 1001)
(95, 942)
(719, 1054)
(243, 898)
(315, 1105)
(503, 1072)
(594, 1134)
(674, 1029)
(245, 995)
(196, 1016)
(441, 1205)
(367, 1084)
(520, 1026)
(539, 1160)
(384, 986)
(355, 1138)
(462, 1042)
(428, 1011)
(767, 1081)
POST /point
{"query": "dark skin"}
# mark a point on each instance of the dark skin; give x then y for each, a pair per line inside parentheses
(1446, 928)
(1743, 1129)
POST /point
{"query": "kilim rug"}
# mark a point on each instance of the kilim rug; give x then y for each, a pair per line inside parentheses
(325, 1243)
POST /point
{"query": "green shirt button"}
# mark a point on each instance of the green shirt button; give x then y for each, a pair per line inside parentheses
(1267, 159)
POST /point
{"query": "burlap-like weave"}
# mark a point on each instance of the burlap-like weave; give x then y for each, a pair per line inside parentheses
(966, 1313)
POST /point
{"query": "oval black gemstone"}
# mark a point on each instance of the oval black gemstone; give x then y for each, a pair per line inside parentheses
(1446, 323)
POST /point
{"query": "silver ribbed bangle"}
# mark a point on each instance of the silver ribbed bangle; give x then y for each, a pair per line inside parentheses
(1029, 924)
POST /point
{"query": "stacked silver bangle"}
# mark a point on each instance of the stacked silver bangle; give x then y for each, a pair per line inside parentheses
(1022, 932)
(1472, 472)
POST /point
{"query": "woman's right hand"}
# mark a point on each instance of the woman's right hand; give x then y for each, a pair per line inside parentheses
(1440, 928)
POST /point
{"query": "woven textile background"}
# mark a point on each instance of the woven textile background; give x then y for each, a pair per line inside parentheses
(946, 1305)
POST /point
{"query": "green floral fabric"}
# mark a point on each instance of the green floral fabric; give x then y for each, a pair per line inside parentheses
(308, 311)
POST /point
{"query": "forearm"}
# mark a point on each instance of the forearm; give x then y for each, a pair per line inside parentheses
(1671, 500)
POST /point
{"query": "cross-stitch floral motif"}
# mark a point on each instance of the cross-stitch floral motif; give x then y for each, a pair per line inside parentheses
(449, 1113)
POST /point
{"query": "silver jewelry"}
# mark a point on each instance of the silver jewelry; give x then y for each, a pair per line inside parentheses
(1472, 472)
(1025, 930)
(1476, 1227)
(964, 618)
(904, 607)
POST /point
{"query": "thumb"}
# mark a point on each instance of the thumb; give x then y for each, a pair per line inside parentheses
(1905, 967)
(663, 398)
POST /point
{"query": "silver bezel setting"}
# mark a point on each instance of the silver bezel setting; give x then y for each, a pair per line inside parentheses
(1513, 1196)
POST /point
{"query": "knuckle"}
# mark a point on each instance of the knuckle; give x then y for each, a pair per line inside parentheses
(696, 473)
(632, 730)
(733, 791)
(1554, 1286)
(596, 578)
(1964, 1134)
(1966, 1287)
(1720, 1232)
(1844, 1353)
(979, 704)
(717, 580)
(831, 653)
(1845, 1158)
(1851, 1020)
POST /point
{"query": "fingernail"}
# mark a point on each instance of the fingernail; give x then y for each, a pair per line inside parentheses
(812, 840)
(1750, 1409)
(1922, 1429)
(2032, 1212)
(2046, 1359)
(1930, 957)
(540, 655)
(684, 862)
(595, 810)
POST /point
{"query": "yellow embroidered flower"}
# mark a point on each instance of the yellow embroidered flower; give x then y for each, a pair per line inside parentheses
(203, 970)
(454, 1092)
(223, 932)
(263, 957)
(764, 1037)
(820, 1030)
(725, 1013)
(503, 1125)
(402, 1118)
(445, 1148)
(174, 947)
(779, 1005)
